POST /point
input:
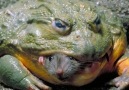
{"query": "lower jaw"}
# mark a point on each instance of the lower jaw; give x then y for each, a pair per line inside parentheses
(82, 78)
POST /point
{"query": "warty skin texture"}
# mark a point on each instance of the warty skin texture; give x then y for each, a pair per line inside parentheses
(33, 28)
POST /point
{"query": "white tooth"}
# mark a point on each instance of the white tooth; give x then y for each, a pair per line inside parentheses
(41, 60)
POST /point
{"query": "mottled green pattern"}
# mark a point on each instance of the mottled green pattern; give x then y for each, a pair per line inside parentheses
(120, 7)
(5, 3)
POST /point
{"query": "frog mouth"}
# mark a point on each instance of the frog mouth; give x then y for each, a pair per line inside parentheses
(87, 66)
(75, 55)
(78, 57)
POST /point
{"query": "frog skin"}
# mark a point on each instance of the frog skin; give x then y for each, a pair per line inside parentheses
(31, 29)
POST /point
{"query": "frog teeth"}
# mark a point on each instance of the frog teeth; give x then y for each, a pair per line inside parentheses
(41, 60)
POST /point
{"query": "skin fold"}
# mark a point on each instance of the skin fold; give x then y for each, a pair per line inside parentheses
(67, 42)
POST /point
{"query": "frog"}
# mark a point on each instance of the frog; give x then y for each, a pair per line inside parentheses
(32, 32)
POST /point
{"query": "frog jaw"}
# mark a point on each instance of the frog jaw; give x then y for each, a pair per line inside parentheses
(87, 75)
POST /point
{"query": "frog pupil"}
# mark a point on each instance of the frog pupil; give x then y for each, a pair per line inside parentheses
(60, 25)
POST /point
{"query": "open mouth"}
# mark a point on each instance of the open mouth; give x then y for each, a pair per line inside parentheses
(64, 67)
(79, 58)
(60, 65)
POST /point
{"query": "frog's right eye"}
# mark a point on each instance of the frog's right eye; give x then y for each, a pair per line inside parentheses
(60, 26)
(97, 21)
(95, 25)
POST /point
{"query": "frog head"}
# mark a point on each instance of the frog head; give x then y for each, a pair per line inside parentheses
(74, 30)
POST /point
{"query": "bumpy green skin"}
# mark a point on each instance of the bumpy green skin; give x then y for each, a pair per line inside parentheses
(19, 24)
(120, 7)
(5, 3)
(12, 73)
(27, 27)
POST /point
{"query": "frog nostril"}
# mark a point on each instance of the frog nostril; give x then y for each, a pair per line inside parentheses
(78, 36)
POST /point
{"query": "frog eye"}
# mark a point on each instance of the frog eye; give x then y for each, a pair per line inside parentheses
(95, 25)
(97, 21)
(60, 26)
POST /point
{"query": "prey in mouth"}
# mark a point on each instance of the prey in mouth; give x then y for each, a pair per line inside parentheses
(65, 67)
(60, 65)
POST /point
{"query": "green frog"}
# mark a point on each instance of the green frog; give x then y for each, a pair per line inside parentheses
(68, 42)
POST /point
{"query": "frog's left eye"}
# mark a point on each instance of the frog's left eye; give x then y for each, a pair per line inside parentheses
(60, 26)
